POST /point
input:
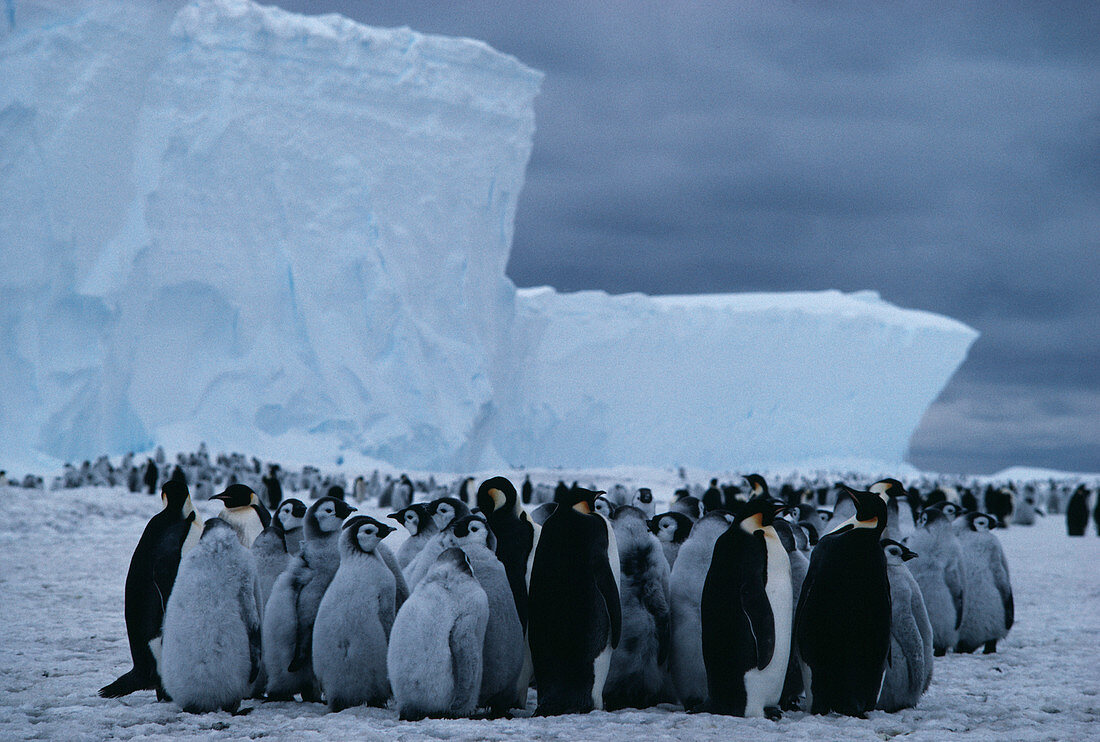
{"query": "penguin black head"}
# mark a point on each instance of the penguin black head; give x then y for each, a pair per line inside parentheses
(582, 500)
(892, 488)
(471, 529)
(690, 506)
(445, 509)
(364, 533)
(672, 527)
(326, 515)
(870, 511)
(335, 492)
(931, 516)
(759, 512)
(496, 494)
(290, 514)
(604, 507)
(174, 495)
(237, 496)
(415, 518)
(896, 552)
(980, 522)
(645, 495)
(178, 476)
(950, 510)
(757, 484)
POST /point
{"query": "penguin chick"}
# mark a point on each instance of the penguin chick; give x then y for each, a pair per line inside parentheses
(643, 500)
(244, 512)
(291, 514)
(503, 650)
(295, 598)
(637, 676)
(988, 611)
(421, 527)
(352, 629)
(671, 529)
(442, 511)
(909, 670)
(435, 652)
(211, 625)
(941, 577)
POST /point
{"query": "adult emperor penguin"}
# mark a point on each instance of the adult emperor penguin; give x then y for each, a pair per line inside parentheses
(574, 616)
(689, 674)
(291, 609)
(149, 582)
(504, 649)
(939, 572)
(842, 624)
(746, 614)
(516, 536)
(637, 674)
(671, 529)
(442, 510)
(899, 515)
(421, 527)
(1077, 512)
(435, 654)
(988, 611)
(909, 670)
(352, 629)
(211, 625)
(244, 512)
(291, 514)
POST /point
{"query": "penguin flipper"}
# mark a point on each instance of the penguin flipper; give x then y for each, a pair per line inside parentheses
(605, 582)
(466, 663)
(1004, 587)
(250, 614)
(755, 603)
(954, 584)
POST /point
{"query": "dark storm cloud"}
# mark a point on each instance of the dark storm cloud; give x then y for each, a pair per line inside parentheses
(947, 155)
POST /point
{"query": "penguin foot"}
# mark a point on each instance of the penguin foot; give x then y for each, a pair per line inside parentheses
(773, 713)
(232, 708)
(162, 694)
(790, 703)
(244, 712)
(990, 647)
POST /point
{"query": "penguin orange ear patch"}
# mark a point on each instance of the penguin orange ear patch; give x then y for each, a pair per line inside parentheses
(582, 507)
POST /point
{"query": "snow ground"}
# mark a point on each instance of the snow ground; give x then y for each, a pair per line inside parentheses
(63, 561)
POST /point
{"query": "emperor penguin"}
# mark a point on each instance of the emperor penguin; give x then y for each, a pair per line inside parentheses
(149, 582)
(291, 514)
(516, 535)
(988, 611)
(435, 654)
(421, 527)
(291, 609)
(746, 612)
(354, 619)
(244, 512)
(792, 536)
(671, 529)
(637, 675)
(909, 670)
(1077, 512)
(899, 515)
(574, 616)
(842, 623)
(211, 625)
(689, 674)
(442, 511)
(643, 500)
(504, 649)
(939, 572)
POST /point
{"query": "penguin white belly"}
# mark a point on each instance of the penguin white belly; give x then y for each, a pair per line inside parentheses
(245, 522)
(764, 687)
(600, 668)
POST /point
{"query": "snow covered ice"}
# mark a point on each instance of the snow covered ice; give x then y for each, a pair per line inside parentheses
(63, 558)
(288, 235)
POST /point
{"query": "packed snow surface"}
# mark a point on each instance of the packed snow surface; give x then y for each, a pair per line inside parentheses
(63, 561)
(225, 222)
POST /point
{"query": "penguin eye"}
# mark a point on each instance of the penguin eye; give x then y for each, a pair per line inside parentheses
(368, 530)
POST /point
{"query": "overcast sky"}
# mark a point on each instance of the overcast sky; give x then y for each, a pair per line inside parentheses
(948, 157)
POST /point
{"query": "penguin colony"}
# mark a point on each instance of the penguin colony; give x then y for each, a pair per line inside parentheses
(735, 601)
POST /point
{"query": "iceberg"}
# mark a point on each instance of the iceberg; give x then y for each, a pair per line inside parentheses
(288, 235)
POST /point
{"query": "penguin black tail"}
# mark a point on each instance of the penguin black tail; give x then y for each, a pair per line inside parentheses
(125, 685)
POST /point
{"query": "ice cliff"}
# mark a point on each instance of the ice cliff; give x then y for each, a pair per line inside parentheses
(220, 221)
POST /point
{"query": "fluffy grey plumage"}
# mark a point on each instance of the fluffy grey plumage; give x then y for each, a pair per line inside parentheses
(295, 598)
(503, 650)
(435, 652)
(211, 650)
(910, 668)
(352, 630)
(269, 551)
(988, 610)
(421, 527)
(689, 674)
(939, 572)
(637, 675)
